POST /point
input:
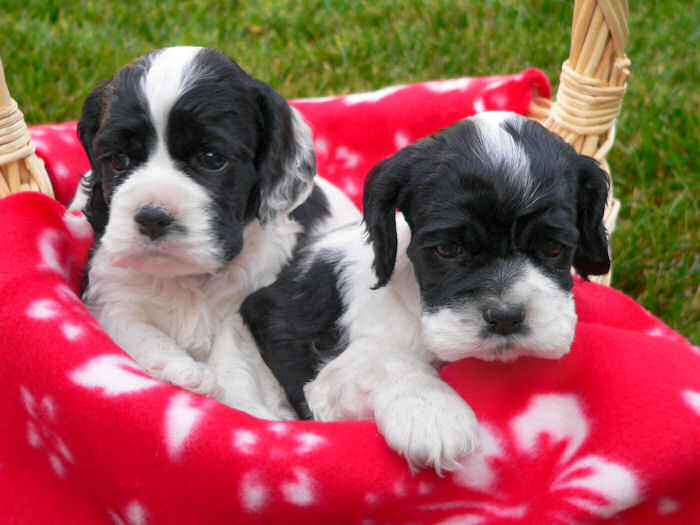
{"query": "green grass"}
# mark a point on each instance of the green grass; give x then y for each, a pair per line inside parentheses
(54, 53)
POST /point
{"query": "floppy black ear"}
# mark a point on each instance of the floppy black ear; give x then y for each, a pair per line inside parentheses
(384, 191)
(285, 160)
(90, 120)
(95, 209)
(592, 256)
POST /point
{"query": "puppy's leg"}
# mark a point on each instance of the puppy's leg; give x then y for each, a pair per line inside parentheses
(419, 415)
(160, 355)
(246, 382)
(426, 421)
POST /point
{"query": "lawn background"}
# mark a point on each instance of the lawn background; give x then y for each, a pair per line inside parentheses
(55, 52)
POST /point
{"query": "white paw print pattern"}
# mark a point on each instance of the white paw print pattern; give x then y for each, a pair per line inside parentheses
(62, 308)
(401, 139)
(54, 251)
(299, 489)
(256, 491)
(55, 248)
(403, 488)
(184, 412)
(278, 441)
(492, 97)
(114, 375)
(370, 96)
(340, 159)
(581, 487)
(54, 138)
(666, 505)
(350, 159)
(692, 400)
(445, 86)
(78, 225)
(42, 416)
(133, 514)
(65, 310)
(253, 492)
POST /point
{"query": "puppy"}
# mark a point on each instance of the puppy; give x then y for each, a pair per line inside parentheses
(494, 211)
(200, 189)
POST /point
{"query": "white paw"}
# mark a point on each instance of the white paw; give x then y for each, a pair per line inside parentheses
(431, 426)
(334, 396)
(324, 401)
(192, 376)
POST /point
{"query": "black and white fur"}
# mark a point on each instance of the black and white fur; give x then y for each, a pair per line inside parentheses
(200, 189)
(494, 211)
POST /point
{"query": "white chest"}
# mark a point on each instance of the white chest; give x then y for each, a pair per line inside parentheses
(189, 313)
(191, 310)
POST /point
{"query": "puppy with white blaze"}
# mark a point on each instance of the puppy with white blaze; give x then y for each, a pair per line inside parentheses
(494, 211)
(201, 186)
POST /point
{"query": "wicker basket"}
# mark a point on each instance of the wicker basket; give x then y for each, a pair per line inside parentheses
(20, 168)
(591, 87)
(588, 100)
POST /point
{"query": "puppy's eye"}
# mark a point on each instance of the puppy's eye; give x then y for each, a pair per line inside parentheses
(119, 162)
(552, 249)
(448, 250)
(212, 160)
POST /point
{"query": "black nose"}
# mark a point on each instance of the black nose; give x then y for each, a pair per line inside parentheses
(504, 320)
(153, 221)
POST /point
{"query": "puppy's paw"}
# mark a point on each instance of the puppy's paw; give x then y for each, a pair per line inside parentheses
(338, 396)
(323, 401)
(430, 427)
(192, 376)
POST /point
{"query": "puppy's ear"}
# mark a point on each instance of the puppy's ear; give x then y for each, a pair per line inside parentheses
(95, 209)
(285, 160)
(592, 252)
(384, 191)
(90, 120)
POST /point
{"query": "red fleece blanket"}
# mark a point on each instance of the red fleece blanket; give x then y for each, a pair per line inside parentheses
(610, 433)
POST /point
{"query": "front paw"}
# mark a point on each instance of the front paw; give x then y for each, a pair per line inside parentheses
(430, 427)
(192, 376)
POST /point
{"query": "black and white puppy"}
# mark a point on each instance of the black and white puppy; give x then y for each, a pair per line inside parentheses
(494, 211)
(200, 188)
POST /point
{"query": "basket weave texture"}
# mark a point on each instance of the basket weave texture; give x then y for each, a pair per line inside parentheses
(591, 86)
(20, 168)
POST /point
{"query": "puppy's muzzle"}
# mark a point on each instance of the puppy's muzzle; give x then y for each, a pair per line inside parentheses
(504, 320)
(153, 221)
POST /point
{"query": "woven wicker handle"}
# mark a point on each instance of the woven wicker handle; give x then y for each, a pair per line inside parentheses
(591, 87)
(592, 81)
(5, 98)
(20, 168)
